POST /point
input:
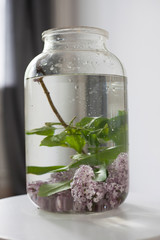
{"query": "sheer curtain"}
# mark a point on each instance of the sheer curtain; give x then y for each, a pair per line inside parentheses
(25, 21)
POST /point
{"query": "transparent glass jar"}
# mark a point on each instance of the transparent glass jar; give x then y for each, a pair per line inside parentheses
(76, 123)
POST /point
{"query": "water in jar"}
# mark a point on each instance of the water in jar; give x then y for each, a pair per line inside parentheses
(94, 109)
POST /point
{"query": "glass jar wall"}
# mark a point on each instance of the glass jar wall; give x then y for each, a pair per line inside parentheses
(76, 123)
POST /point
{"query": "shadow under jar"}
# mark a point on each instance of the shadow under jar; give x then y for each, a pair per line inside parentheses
(76, 123)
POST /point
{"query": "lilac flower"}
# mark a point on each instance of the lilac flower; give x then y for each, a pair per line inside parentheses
(86, 193)
(117, 181)
(84, 190)
(62, 176)
(34, 186)
(118, 170)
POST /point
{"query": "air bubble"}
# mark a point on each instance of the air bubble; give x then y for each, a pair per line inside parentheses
(85, 63)
(52, 68)
(58, 65)
(59, 39)
(69, 65)
(107, 89)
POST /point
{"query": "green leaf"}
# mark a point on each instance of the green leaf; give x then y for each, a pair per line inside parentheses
(71, 122)
(56, 140)
(106, 156)
(76, 142)
(42, 170)
(65, 139)
(120, 136)
(103, 132)
(117, 122)
(92, 124)
(93, 129)
(116, 130)
(83, 159)
(52, 123)
(46, 130)
(98, 123)
(46, 190)
(84, 122)
(101, 174)
(93, 140)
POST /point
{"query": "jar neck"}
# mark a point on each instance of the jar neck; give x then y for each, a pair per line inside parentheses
(75, 39)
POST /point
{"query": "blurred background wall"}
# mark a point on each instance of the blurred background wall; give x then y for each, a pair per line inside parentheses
(134, 37)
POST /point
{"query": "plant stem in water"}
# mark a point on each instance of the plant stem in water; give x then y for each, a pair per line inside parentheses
(64, 124)
(47, 93)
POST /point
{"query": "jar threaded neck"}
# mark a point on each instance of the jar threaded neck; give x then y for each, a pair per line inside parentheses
(77, 38)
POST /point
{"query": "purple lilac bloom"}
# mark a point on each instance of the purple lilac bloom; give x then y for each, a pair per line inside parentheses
(86, 193)
(117, 181)
(119, 170)
(84, 190)
(62, 176)
(34, 186)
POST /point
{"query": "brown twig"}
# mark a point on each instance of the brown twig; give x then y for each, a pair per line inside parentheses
(47, 93)
(64, 124)
(40, 80)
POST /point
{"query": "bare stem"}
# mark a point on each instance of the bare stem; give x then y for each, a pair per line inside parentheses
(64, 124)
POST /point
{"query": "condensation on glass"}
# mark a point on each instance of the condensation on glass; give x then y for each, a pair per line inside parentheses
(76, 123)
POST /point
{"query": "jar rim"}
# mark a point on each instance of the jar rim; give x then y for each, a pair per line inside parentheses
(77, 29)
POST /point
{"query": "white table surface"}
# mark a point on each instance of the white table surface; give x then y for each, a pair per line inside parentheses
(137, 218)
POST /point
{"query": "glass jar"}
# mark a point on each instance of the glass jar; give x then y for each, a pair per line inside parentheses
(76, 123)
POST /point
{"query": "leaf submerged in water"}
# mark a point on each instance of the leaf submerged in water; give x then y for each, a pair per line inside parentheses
(48, 189)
